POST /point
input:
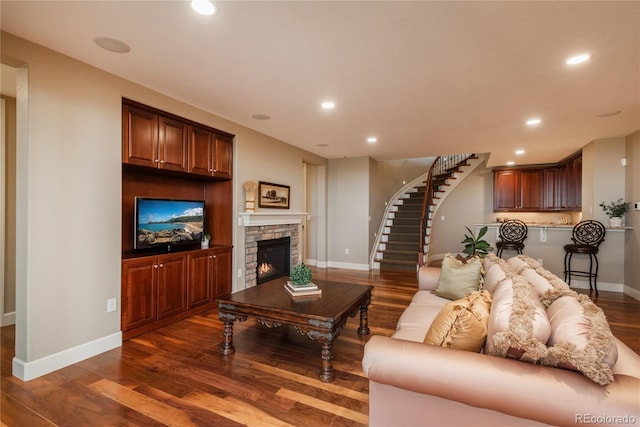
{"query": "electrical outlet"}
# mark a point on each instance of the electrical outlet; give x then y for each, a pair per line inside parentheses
(442, 218)
(636, 206)
(239, 273)
(346, 251)
(111, 305)
(540, 261)
(543, 234)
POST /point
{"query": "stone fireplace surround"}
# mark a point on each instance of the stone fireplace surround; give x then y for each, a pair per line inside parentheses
(265, 226)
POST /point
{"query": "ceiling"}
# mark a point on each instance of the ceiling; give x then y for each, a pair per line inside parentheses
(425, 78)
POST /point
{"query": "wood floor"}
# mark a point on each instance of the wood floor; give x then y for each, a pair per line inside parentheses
(176, 376)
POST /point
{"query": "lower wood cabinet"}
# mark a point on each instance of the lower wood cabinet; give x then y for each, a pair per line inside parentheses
(159, 290)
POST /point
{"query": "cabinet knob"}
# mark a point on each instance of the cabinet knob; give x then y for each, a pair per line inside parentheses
(161, 265)
(156, 161)
(215, 170)
(161, 161)
(210, 170)
(155, 265)
(210, 256)
(215, 256)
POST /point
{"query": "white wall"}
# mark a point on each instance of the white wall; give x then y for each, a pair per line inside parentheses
(632, 248)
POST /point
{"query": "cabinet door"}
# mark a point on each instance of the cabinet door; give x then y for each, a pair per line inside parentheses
(140, 137)
(172, 144)
(139, 278)
(222, 272)
(172, 285)
(552, 189)
(531, 190)
(200, 151)
(200, 281)
(223, 152)
(505, 190)
(577, 177)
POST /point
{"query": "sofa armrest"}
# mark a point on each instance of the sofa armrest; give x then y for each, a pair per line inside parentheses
(428, 278)
(549, 395)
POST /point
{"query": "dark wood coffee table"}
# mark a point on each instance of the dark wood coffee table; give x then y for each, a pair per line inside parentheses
(320, 318)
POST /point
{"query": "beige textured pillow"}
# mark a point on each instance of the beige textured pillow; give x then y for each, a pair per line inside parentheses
(581, 339)
(518, 325)
(458, 279)
(461, 324)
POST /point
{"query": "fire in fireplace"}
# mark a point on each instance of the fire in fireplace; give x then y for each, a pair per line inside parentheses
(273, 259)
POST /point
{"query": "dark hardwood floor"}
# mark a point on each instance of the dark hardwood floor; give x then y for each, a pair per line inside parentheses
(176, 375)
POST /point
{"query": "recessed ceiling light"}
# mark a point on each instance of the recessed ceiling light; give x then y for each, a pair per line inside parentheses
(609, 113)
(328, 105)
(322, 145)
(511, 163)
(578, 59)
(372, 140)
(261, 116)
(519, 152)
(203, 7)
(112, 45)
(534, 121)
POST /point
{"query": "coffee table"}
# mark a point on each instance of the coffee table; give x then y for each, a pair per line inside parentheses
(319, 317)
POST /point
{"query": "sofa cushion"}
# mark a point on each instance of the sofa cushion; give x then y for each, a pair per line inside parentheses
(518, 324)
(492, 277)
(458, 279)
(462, 324)
(421, 311)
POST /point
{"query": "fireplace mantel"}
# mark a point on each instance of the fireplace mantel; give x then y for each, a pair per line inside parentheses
(256, 219)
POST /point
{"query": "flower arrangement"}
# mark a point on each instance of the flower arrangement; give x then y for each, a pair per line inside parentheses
(615, 209)
(300, 274)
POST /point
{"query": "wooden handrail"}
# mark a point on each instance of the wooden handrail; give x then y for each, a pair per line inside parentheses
(442, 165)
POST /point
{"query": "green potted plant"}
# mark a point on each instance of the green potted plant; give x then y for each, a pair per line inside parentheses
(615, 211)
(300, 275)
(475, 245)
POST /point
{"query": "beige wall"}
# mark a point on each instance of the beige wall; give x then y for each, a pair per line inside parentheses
(632, 243)
(69, 210)
(9, 170)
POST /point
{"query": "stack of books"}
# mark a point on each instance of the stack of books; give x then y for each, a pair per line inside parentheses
(308, 289)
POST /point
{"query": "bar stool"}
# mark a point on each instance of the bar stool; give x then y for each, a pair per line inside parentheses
(512, 234)
(586, 236)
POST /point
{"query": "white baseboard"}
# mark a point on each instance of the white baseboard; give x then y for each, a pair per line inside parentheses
(8, 319)
(633, 293)
(316, 263)
(27, 371)
(602, 286)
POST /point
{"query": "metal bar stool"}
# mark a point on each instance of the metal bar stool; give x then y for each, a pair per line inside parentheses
(586, 236)
(512, 234)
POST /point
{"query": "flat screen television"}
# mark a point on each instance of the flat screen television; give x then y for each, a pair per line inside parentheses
(166, 224)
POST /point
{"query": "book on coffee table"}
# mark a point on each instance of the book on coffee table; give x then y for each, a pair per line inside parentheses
(308, 289)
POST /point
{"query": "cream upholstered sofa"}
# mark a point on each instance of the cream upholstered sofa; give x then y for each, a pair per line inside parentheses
(413, 383)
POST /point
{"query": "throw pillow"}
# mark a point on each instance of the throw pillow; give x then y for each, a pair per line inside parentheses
(458, 279)
(518, 325)
(461, 324)
(581, 339)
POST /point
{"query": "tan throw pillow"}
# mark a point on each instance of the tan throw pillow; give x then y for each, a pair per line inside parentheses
(581, 339)
(518, 325)
(461, 324)
(458, 279)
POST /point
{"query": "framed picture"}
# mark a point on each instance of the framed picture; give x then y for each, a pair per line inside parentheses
(273, 195)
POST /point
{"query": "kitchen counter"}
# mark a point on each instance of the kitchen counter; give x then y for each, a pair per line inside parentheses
(545, 242)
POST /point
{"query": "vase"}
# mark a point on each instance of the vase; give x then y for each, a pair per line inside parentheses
(204, 244)
(615, 221)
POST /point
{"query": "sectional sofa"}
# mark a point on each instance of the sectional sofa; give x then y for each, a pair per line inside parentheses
(520, 349)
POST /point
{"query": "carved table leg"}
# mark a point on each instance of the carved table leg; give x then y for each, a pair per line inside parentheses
(364, 321)
(227, 348)
(326, 374)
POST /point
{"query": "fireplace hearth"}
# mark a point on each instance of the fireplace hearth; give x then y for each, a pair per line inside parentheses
(273, 259)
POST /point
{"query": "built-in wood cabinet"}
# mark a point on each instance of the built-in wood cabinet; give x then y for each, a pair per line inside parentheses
(518, 190)
(166, 156)
(209, 275)
(539, 188)
(153, 141)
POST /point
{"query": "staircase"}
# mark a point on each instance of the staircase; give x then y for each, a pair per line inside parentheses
(404, 239)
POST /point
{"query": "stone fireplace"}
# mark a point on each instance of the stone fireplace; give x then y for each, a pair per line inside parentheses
(265, 227)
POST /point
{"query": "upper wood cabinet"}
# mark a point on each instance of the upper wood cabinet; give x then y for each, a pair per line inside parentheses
(154, 139)
(518, 190)
(532, 189)
(210, 153)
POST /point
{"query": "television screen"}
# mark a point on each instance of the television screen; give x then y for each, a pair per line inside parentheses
(163, 223)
